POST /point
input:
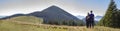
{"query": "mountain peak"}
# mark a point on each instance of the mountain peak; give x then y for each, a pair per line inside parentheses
(54, 6)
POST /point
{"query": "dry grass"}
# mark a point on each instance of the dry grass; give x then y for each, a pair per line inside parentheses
(20, 24)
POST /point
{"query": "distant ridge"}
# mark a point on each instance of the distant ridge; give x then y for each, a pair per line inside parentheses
(15, 15)
(53, 15)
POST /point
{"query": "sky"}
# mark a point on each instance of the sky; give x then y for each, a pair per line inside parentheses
(74, 7)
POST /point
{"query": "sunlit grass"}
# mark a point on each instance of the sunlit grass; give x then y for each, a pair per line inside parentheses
(29, 19)
(14, 26)
(17, 24)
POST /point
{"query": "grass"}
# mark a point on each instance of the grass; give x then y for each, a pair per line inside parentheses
(14, 26)
(29, 19)
(26, 25)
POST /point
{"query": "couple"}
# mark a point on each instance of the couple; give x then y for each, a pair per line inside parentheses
(90, 20)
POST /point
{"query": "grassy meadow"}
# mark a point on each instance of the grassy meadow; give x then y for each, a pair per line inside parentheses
(23, 23)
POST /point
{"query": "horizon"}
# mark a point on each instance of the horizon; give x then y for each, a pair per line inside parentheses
(74, 7)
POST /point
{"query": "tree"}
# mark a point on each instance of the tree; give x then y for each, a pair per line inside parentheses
(112, 16)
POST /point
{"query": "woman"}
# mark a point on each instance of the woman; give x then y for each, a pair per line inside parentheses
(87, 21)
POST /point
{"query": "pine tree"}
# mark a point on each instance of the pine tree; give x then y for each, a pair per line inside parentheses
(112, 16)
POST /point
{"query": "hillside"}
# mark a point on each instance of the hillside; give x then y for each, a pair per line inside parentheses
(11, 16)
(16, 24)
(58, 16)
(28, 19)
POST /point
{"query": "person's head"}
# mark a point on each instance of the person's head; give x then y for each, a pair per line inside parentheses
(91, 11)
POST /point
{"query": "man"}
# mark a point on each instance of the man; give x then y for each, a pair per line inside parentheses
(91, 15)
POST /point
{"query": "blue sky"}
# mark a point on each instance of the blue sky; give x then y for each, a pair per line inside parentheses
(75, 7)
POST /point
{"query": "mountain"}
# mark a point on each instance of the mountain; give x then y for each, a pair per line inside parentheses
(55, 15)
(80, 17)
(15, 15)
(2, 16)
(97, 18)
(27, 19)
(96, 21)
